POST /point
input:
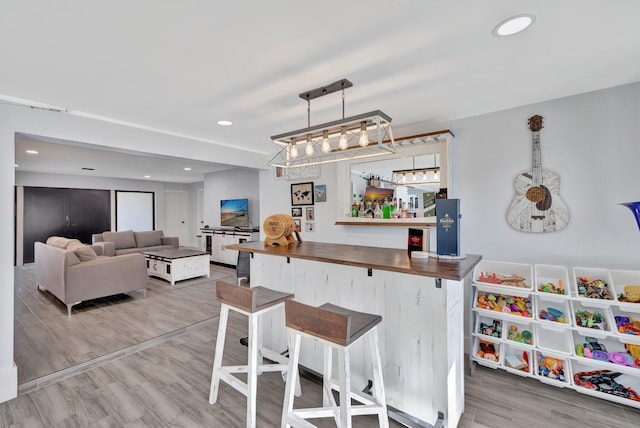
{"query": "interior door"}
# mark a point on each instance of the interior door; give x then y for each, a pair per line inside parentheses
(45, 214)
(89, 213)
(177, 215)
(72, 213)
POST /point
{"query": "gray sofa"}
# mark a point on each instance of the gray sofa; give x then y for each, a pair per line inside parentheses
(128, 241)
(74, 272)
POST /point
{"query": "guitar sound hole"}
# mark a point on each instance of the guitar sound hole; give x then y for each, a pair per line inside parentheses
(535, 194)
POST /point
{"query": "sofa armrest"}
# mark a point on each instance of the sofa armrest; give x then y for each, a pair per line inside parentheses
(107, 248)
(98, 249)
(170, 240)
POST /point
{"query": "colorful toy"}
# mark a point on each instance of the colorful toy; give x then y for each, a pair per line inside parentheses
(627, 325)
(488, 351)
(553, 314)
(495, 278)
(550, 367)
(598, 351)
(520, 337)
(593, 288)
(604, 381)
(494, 329)
(520, 306)
(589, 319)
(550, 287)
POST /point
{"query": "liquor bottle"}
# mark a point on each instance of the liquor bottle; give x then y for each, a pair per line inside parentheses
(400, 212)
(394, 209)
(360, 202)
(377, 212)
(354, 207)
(369, 210)
(362, 211)
(386, 208)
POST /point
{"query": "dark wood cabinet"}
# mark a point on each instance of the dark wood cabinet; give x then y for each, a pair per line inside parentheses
(72, 213)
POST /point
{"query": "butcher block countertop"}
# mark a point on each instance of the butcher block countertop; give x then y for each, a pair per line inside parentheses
(387, 259)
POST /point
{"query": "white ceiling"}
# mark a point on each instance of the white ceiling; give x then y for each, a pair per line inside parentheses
(181, 66)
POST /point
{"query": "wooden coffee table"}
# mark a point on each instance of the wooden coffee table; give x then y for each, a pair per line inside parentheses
(177, 264)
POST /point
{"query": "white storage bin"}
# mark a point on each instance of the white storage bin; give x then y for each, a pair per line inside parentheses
(557, 277)
(552, 368)
(620, 317)
(554, 312)
(601, 329)
(515, 356)
(621, 279)
(593, 274)
(490, 328)
(483, 296)
(626, 380)
(519, 334)
(477, 347)
(621, 360)
(554, 340)
(488, 268)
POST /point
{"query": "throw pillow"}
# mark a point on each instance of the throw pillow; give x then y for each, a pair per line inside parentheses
(83, 252)
(149, 238)
(57, 241)
(124, 239)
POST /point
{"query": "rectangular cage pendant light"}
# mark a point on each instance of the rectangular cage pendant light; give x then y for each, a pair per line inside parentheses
(361, 136)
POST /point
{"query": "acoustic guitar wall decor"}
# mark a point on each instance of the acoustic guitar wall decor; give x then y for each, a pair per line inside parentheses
(537, 206)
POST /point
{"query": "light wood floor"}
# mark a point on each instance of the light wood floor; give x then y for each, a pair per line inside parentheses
(167, 384)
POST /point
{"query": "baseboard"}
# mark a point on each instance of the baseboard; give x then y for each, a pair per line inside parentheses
(8, 384)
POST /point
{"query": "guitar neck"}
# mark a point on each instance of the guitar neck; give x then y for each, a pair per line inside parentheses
(536, 163)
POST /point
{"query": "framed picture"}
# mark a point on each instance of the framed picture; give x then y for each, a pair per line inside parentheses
(302, 194)
(298, 225)
(279, 173)
(321, 193)
(296, 212)
(310, 227)
(310, 214)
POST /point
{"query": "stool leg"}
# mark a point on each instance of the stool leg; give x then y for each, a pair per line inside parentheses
(292, 377)
(217, 360)
(326, 376)
(378, 382)
(252, 371)
(345, 388)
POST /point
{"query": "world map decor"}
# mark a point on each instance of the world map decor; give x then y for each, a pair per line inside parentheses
(635, 209)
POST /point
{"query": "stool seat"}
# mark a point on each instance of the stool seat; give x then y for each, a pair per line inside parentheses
(330, 322)
(338, 328)
(249, 299)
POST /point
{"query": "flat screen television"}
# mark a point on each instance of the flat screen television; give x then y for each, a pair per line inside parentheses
(234, 212)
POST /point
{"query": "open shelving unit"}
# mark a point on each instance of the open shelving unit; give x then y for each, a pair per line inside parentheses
(546, 341)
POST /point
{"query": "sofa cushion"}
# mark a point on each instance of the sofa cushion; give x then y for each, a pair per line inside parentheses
(83, 252)
(123, 239)
(148, 238)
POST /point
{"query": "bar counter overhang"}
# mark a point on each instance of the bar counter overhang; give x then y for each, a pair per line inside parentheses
(421, 302)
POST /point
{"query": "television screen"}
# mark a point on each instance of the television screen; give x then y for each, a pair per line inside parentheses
(234, 212)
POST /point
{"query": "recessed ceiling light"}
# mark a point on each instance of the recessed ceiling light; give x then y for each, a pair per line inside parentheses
(514, 25)
(187, 169)
(147, 176)
(225, 123)
(15, 165)
(32, 152)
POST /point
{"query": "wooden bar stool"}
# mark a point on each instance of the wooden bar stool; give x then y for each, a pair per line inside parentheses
(251, 302)
(338, 328)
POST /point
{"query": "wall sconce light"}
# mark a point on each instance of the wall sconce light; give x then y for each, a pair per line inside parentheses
(361, 136)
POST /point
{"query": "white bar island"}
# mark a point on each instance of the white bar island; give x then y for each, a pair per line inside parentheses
(422, 307)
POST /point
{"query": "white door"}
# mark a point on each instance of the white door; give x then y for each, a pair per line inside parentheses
(177, 216)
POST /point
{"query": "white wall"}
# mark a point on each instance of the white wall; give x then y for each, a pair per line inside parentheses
(237, 183)
(589, 139)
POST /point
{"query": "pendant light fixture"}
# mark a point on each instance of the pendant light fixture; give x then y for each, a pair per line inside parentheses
(361, 136)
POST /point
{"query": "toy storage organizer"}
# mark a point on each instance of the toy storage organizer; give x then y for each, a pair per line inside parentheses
(575, 331)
